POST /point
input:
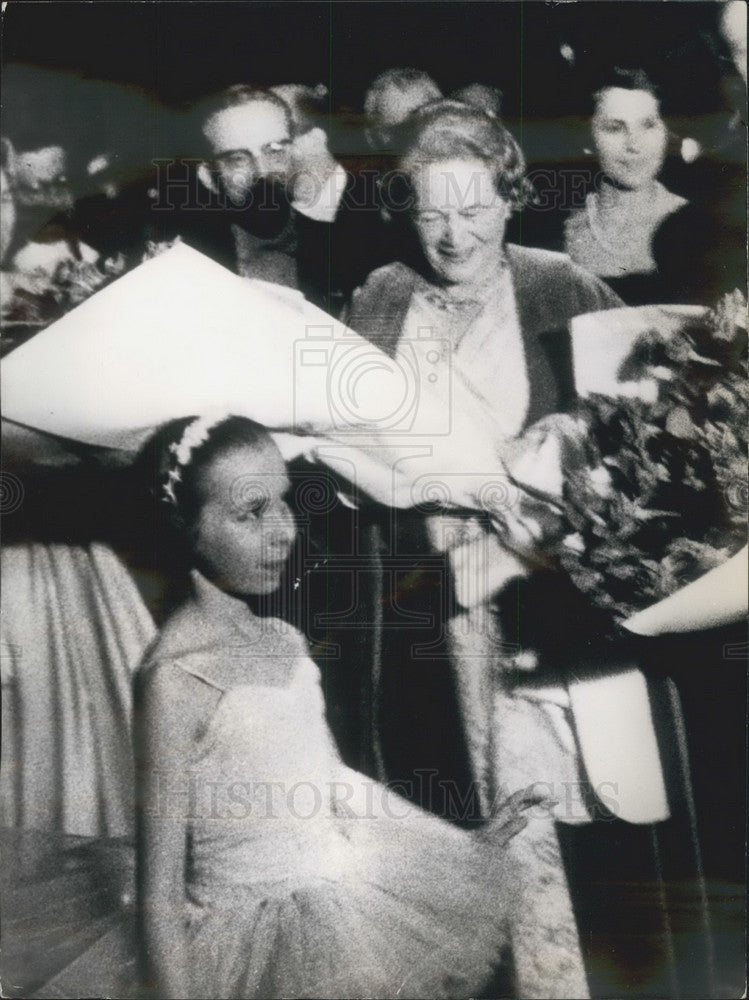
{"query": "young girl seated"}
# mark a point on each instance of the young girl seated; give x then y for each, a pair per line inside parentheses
(267, 867)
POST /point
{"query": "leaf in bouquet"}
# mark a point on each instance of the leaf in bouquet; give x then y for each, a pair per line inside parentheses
(115, 266)
(154, 248)
(650, 514)
(700, 359)
(724, 318)
(686, 561)
(727, 402)
(676, 351)
(660, 472)
(680, 424)
(647, 351)
(575, 543)
(692, 481)
(624, 571)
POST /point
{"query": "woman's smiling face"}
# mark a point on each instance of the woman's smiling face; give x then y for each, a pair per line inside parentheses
(629, 135)
(460, 219)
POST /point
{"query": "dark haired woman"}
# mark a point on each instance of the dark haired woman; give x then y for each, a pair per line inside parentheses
(612, 235)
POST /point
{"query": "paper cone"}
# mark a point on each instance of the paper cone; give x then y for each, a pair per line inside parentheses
(182, 335)
(602, 341)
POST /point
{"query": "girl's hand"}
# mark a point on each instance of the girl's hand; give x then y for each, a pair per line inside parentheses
(509, 819)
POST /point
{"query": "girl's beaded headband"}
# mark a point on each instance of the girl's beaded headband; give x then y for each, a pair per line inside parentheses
(195, 434)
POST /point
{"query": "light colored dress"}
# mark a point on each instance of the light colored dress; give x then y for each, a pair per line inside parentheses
(305, 878)
(612, 235)
(479, 342)
(517, 734)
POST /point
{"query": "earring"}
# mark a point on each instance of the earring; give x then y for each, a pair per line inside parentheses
(690, 150)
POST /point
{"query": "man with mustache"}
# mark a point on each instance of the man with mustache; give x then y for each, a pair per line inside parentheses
(264, 202)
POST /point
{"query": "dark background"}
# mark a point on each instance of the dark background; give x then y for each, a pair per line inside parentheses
(174, 52)
(178, 50)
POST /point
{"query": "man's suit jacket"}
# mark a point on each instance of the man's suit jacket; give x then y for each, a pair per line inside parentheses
(297, 255)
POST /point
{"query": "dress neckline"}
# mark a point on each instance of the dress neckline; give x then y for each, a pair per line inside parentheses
(291, 682)
(236, 624)
(656, 201)
(458, 298)
(206, 740)
(609, 196)
(455, 316)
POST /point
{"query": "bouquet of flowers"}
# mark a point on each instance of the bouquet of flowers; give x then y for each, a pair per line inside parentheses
(38, 298)
(647, 493)
(33, 300)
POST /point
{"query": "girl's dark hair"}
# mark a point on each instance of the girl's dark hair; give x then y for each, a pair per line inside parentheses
(448, 130)
(188, 488)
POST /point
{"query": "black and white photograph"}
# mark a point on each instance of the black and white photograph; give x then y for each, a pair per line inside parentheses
(374, 500)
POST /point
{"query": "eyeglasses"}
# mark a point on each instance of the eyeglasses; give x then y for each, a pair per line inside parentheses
(239, 159)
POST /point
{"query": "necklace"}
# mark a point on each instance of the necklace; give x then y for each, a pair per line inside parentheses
(450, 300)
(591, 214)
(635, 221)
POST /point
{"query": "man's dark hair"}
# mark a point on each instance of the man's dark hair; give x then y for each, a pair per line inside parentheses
(235, 96)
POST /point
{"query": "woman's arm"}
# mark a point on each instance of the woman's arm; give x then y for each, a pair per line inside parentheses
(169, 711)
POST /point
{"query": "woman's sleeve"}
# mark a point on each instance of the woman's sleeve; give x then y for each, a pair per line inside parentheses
(596, 294)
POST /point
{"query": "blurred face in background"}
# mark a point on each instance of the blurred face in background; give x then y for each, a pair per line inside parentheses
(630, 136)
(460, 219)
(393, 104)
(40, 177)
(732, 26)
(306, 104)
(249, 143)
(7, 214)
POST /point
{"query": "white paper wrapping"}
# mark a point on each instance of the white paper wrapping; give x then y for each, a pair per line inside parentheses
(602, 341)
(181, 335)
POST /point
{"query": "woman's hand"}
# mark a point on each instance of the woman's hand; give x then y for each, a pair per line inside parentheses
(317, 180)
(511, 816)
